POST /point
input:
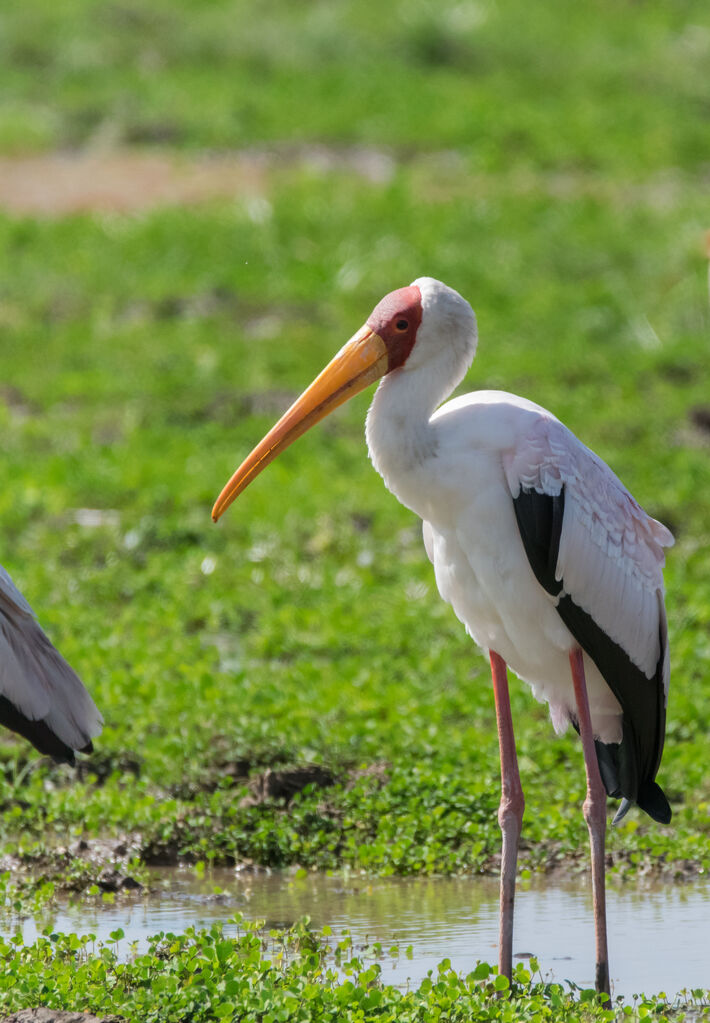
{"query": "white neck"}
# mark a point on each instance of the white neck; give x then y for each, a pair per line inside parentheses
(400, 436)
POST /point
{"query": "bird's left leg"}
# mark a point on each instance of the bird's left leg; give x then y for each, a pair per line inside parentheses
(510, 812)
(595, 815)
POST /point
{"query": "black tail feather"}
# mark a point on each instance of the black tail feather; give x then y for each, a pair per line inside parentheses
(608, 768)
(617, 769)
(652, 799)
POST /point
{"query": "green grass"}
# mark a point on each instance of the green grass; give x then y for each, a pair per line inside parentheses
(306, 626)
(552, 169)
(594, 86)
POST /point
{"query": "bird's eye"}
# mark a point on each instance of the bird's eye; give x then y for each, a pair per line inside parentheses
(401, 324)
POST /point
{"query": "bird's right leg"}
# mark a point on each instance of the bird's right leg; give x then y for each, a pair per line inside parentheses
(595, 816)
(510, 812)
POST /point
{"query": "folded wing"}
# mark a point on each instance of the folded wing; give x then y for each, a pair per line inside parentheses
(41, 696)
(600, 557)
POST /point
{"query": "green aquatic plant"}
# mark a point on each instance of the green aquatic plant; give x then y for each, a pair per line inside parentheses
(277, 975)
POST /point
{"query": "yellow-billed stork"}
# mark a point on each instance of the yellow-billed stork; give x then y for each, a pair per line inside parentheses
(546, 558)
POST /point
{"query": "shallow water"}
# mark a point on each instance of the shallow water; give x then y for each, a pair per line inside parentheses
(659, 936)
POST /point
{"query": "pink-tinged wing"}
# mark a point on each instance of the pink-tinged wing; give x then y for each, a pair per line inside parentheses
(610, 556)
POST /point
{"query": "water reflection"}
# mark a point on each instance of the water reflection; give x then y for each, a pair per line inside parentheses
(659, 936)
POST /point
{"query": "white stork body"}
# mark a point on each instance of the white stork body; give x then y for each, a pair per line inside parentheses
(470, 459)
(41, 696)
(543, 554)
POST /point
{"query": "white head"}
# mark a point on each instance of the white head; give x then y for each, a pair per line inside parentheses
(425, 322)
(448, 321)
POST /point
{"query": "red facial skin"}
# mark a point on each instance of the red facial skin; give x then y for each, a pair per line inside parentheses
(396, 319)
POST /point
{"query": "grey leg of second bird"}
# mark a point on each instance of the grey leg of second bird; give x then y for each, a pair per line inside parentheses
(510, 812)
(595, 816)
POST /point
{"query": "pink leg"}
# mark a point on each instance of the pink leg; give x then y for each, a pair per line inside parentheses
(510, 812)
(595, 816)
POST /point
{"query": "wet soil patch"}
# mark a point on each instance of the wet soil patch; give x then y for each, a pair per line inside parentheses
(272, 789)
(104, 864)
(229, 764)
(283, 785)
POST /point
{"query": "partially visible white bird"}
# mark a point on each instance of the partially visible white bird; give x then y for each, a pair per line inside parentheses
(41, 696)
(543, 554)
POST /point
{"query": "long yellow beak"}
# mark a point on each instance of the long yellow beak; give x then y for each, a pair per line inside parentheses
(359, 363)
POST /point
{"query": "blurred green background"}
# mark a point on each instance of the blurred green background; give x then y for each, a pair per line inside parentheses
(202, 201)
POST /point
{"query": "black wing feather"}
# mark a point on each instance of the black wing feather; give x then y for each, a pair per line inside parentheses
(38, 732)
(540, 523)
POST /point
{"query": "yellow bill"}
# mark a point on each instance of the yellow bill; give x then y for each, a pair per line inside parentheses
(359, 363)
